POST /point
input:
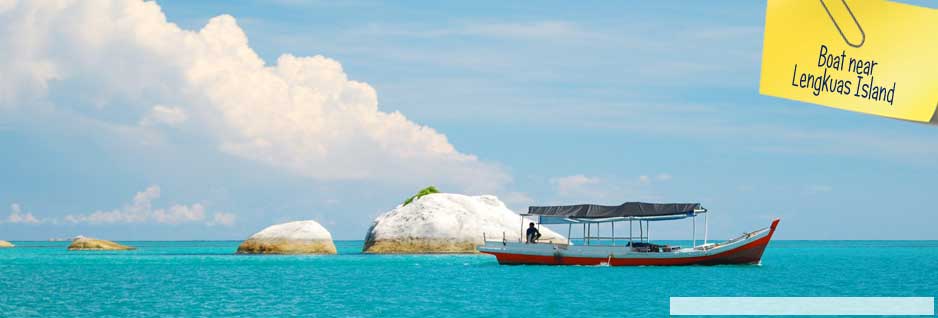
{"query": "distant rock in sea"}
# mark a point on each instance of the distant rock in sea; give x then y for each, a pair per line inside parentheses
(446, 223)
(299, 237)
(81, 243)
(5, 244)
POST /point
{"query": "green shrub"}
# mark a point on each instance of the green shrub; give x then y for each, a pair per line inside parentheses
(423, 192)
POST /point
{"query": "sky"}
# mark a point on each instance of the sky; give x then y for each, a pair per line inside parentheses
(198, 120)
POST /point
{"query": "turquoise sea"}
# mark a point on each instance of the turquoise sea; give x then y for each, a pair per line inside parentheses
(204, 279)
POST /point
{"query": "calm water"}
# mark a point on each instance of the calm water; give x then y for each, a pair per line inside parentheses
(171, 279)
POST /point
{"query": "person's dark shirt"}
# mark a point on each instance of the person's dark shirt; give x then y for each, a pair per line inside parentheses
(533, 231)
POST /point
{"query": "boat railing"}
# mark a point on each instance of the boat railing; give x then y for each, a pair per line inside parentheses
(614, 238)
(744, 236)
(617, 238)
(588, 240)
(594, 241)
(503, 240)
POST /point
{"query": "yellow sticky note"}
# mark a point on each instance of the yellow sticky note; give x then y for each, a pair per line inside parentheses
(871, 56)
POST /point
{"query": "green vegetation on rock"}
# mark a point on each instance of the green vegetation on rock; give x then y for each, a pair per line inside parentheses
(425, 191)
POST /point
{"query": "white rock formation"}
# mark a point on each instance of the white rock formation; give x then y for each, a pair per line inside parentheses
(299, 237)
(446, 223)
(81, 243)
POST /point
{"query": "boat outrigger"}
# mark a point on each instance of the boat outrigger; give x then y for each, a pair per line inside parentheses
(626, 250)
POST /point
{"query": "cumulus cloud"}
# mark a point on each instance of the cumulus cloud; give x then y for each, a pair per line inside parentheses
(573, 184)
(17, 216)
(661, 177)
(517, 200)
(222, 218)
(164, 115)
(141, 210)
(302, 114)
(608, 190)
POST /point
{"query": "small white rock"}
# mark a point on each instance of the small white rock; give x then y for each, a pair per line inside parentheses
(299, 237)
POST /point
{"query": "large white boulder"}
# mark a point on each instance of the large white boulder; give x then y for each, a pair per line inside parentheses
(299, 237)
(446, 223)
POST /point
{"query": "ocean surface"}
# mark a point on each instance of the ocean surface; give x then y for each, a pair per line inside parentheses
(205, 279)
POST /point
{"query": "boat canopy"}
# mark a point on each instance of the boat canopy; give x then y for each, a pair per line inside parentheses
(593, 213)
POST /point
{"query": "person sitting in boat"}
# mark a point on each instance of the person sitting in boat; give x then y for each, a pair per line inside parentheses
(533, 233)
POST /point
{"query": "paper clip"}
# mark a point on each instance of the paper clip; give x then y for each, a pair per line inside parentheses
(862, 34)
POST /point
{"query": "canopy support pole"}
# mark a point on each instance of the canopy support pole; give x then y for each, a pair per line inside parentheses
(569, 230)
(589, 228)
(584, 234)
(522, 237)
(706, 227)
(613, 233)
(693, 232)
(641, 232)
(630, 231)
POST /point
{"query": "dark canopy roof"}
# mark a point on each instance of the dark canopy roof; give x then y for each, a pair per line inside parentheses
(636, 209)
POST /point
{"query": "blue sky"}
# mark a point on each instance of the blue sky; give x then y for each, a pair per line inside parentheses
(558, 102)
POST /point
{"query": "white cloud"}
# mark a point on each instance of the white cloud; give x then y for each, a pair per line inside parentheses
(644, 179)
(607, 189)
(301, 114)
(180, 214)
(661, 177)
(141, 210)
(222, 218)
(516, 200)
(17, 216)
(6, 5)
(573, 184)
(165, 115)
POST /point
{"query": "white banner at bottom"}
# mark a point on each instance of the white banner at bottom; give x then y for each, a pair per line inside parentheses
(803, 306)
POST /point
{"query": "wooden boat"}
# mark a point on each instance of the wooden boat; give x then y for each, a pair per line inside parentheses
(626, 250)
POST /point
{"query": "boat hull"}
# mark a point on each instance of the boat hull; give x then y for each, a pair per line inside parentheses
(745, 250)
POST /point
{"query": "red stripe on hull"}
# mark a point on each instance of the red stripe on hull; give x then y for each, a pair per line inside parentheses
(751, 253)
